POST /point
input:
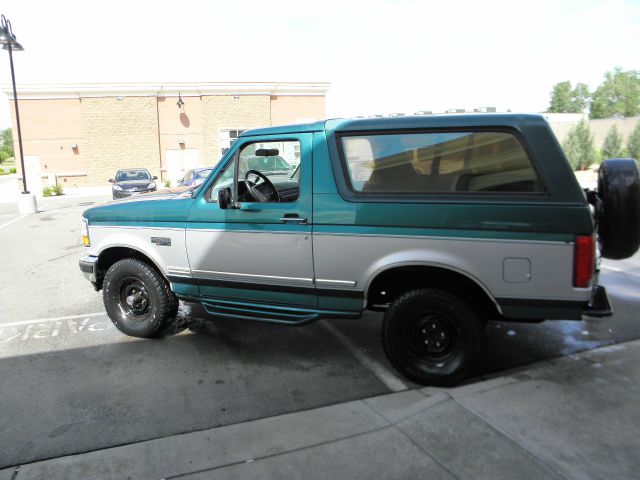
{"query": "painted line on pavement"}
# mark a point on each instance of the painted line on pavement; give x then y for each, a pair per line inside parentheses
(12, 221)
(56, 319)
(386, 376)
(613, 269)
(619, 270)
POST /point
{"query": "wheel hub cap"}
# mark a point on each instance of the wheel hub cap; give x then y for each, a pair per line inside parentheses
(134, 298)
(433, 335)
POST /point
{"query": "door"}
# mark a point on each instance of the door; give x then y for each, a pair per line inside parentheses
(173, 164)
(177, 162)
(260, 251)
(33, 171)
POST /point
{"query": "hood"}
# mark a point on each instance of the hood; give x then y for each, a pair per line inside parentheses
(166, 206)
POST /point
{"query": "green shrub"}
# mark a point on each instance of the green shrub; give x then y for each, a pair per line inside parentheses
(12, 170)
(167, 183)
(578, 146)
(46, 192)
(57, 189)
(612, 146)
(633, 143)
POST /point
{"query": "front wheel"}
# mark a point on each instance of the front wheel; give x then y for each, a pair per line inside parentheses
(137, 298)
(432, 337)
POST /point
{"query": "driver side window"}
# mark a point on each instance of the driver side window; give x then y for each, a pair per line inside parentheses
(267, 172)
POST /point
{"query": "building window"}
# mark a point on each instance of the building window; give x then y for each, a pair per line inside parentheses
(227, 137)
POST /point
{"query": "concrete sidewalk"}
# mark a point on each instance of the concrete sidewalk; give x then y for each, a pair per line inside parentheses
(575, 417)
(11, 186)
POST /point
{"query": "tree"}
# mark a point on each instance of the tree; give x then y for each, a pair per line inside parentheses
(579, 146)
(560, 98)
(580, 97)
(633, 143)
(618, 94)
(612, 146)
(6, 144)
(566, 100)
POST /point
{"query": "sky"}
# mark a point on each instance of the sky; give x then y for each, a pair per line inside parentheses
(381, 56)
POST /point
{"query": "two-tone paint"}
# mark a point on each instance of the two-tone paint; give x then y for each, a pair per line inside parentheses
(249, 263)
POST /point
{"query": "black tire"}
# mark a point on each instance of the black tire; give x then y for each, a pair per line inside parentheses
(137, 298)
(619, 212)
(432, 337)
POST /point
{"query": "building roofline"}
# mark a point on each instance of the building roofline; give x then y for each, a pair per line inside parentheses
(168, 89)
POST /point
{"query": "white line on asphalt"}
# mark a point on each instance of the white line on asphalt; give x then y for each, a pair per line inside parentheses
(613, 269)
(12, 221)
(619, 270)
(45, 320)
(383, 374)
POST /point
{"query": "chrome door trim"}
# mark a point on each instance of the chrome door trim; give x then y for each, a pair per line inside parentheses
(250, 277)
(323, 282)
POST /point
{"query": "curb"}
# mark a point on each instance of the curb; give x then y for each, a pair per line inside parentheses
(332, 429)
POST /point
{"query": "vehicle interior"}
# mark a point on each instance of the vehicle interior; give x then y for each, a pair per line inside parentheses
(128, 175)
(264, 175)
(441, 162)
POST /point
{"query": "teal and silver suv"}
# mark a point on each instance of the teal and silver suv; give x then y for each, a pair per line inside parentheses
(444, 223)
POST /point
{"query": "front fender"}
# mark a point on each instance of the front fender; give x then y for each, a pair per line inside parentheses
(169, 253)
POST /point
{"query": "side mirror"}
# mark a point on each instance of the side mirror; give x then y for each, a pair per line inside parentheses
(224, 198)
(111, 180)
(154, 178)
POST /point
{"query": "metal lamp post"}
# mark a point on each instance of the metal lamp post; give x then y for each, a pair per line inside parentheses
(9, 42)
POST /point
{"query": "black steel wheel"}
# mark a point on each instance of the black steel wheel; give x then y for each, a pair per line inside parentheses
(137, 298)
(432, 337)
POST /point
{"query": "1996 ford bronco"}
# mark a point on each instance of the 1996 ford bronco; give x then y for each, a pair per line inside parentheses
(444, 223)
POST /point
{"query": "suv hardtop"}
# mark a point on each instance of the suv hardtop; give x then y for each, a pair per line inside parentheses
(444, 223)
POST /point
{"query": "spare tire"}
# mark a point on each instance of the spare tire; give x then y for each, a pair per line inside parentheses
(618, 215)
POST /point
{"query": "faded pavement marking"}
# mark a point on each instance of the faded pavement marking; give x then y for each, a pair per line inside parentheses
(51, 328)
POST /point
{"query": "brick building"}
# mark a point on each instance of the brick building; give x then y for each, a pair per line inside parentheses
(79, 135)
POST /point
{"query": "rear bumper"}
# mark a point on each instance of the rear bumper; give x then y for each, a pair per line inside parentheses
(533, 310)
(88, 267)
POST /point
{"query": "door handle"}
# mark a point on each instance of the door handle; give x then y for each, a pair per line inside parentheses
(292, 217)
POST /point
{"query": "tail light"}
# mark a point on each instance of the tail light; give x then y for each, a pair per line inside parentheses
(584, 260)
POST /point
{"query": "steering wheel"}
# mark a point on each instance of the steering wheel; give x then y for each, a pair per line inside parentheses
(255, 192)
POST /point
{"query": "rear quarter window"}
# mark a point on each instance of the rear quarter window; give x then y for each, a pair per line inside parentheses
(443, 162)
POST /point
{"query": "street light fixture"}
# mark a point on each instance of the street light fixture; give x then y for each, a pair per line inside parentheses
(9, 42)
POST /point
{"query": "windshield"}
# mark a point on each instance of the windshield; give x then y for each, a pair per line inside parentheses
(126, 175)
(268, 164)
(202, 173)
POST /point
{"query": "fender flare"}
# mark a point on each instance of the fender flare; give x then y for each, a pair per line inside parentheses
(426, 264)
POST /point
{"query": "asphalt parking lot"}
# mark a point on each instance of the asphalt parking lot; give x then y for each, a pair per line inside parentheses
(72, 383)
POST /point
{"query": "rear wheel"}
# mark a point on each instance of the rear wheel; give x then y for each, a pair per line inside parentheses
(618, 212)
(432, 337)
(137, 298)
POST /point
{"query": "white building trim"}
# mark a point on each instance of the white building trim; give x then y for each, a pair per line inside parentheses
(169, 89)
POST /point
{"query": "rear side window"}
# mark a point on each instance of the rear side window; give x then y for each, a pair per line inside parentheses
(419, 163)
